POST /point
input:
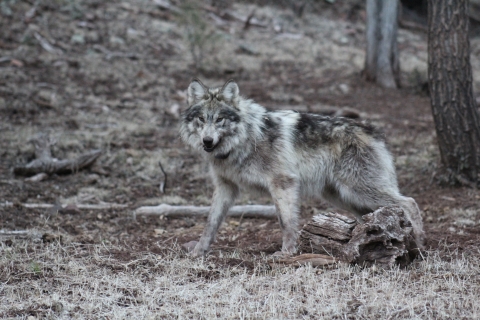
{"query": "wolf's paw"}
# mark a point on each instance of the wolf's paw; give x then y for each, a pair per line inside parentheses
(279, 255)
(189, 246)
(194, 249)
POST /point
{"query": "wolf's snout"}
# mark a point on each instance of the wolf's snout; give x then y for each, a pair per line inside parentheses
(208, 144)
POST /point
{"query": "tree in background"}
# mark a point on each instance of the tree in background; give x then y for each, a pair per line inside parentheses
(457, 120)
(381, 63)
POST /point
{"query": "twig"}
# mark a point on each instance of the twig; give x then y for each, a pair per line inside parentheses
(248, 20)
(46, 45)
(163, 184)
(247, 211)
(252, 22)
(316, 260)
(166, 5)
(109, 55)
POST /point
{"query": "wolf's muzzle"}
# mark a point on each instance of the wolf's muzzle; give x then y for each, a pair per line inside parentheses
(208, 144)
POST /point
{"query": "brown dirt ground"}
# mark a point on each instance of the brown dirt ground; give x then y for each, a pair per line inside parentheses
(91, 100)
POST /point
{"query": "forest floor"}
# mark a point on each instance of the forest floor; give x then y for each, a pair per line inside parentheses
(112, 75)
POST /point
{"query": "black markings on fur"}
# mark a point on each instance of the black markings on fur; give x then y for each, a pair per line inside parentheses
(331, 191)
(372, 130)
(229, 114)
(361, 210)
(360, 156)
(282, 226)
(270, 128)
(312, 130)
(283, 182)
(222, 156)
(192, 113)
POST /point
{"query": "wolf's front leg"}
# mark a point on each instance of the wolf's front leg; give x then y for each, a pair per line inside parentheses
(285, 193)
(223, 199)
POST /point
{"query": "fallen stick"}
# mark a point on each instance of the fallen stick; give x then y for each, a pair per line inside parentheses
(4, 233)
(68, 206)
(45, 163)
(316, 260)
(247, 211)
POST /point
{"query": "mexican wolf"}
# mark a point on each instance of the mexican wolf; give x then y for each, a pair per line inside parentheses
(290, 156)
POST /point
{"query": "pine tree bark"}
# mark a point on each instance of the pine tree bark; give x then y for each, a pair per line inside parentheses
(457, 120)
(381, 61)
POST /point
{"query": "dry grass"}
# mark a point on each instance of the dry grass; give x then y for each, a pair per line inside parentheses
(63, 281)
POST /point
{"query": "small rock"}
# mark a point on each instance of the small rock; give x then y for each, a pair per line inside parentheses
(70, 209)
(47, 99)
(343, 40)
(344, 88)
(47, 238)
(117, 40)
(133, 34)
(159, 231)
(57, 307)
(78, 38)
(464, 222)
(174, 110)
(245, 48)
(92, 36)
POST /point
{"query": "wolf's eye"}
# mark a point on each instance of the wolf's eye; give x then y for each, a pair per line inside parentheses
(219, 119)
(202, 119)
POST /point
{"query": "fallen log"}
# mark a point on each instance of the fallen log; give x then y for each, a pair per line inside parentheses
(45, 163)
(385, 238)
(247, 211)
(67, 207)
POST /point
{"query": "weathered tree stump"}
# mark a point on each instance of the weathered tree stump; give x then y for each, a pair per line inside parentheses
(385, 238)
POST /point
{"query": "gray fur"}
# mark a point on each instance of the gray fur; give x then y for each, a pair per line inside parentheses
(290, 156)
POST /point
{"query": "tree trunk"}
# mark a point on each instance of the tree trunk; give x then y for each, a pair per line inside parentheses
(381, 62)
(457, 120)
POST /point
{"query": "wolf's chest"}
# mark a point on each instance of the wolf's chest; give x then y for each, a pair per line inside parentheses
(246, 176)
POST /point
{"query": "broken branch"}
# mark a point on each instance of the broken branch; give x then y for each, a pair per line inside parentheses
(316, 260)
(99, 206)
(247, 211)
(47, 164)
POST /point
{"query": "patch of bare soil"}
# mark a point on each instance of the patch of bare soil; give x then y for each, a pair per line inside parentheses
(112, 75)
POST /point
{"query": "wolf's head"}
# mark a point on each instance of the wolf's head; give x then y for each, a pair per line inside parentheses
(212, 120)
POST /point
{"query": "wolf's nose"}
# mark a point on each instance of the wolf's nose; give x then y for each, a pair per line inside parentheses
(208, 142)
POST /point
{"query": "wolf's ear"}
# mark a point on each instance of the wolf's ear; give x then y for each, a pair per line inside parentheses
(196, 91)
(230, 91)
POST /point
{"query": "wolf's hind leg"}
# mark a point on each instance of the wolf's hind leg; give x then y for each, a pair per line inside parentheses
(223, 199)
(367, 199)
(285, 194)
